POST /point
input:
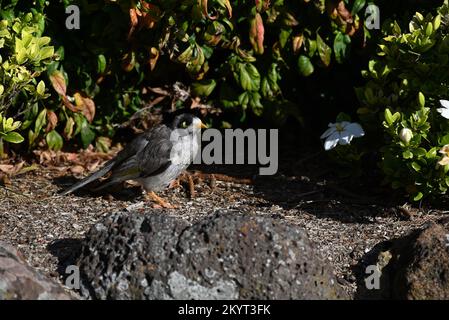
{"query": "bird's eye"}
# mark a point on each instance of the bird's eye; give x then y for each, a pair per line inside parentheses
(184, 124)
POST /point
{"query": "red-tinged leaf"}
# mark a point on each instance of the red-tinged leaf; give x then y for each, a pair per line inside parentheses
(86, 105)
(257, 32)
(344, 13)
(133, 17)
(69, 105)
(229, 7)
(150, 16)
(129, 61)
(154, 56)
(203, 4)
(52, 119)
(297, 42)
(58, 82)
(68, 130)
(89, 110)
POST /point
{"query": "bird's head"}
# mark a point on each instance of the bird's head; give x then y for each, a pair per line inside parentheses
(188, 122)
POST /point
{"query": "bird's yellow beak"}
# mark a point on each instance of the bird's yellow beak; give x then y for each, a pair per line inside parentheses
(202, 126)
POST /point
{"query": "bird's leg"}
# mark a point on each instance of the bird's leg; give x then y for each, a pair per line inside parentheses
(186, 178)
(174, 184)
(151, 196)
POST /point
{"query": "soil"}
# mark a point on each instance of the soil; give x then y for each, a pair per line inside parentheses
(344, 220)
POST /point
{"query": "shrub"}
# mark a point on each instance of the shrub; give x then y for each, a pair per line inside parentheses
(246, 55)
(24, 55)
(400, 104)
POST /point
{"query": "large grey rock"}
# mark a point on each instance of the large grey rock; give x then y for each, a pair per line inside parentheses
(227, 256)
(415, 266)
(18, 281)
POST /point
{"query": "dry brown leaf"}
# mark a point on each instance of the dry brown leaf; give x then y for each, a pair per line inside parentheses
(7, 168)
(77, 169)
(15, 169)
(93, 166)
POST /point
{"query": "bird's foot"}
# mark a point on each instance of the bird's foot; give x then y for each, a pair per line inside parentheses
(174, 184)
(159, 202)
(186, 179)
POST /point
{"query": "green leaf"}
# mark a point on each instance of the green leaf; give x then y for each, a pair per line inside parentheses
(283, 36)
(416, 166)
(249, 77)
(243, 100)
(391, 118)
(418, 196)
(407, 154)
(54, 140)
(305, 67)
(419, 152)
(13, 137)
(388, 116)
(87, 135)
(40, 89)
(40, 121)
(101, 63)
(310, 47)
(255, 104)
(358, 5)
(203, 88)
(324, 50)
(341, 46)
(46, 52)
(444, 140)
(421, 100)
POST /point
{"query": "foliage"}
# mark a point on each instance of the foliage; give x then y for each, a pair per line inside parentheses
(8, 133)
(24, 55)
(245, 54)
(239, 55)
(400, 100)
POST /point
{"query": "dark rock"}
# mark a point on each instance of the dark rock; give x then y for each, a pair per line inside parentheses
(415, 266)
(227, 256)
(18, 281)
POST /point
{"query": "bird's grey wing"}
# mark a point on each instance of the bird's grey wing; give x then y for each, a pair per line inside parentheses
(130, 150)
(153, 158)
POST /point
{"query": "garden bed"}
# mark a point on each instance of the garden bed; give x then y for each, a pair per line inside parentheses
(47, 228)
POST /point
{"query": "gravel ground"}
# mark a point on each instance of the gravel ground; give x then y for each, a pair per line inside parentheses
(36, 221)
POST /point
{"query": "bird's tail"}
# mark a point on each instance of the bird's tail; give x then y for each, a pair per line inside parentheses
(96, 175)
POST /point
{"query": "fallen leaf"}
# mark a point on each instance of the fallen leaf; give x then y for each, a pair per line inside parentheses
(7, 168)
(93, 166)
(77, 169)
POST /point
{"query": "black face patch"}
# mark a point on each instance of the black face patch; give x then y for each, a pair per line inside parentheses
(182, 121)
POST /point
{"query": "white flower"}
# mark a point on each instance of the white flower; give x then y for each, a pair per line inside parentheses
(445, 110)
(341, 133)
(406, 135)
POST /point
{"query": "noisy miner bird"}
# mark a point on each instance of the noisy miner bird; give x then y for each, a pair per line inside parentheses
(154, 159)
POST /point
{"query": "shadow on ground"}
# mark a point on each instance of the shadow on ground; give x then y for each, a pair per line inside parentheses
(66, 251)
